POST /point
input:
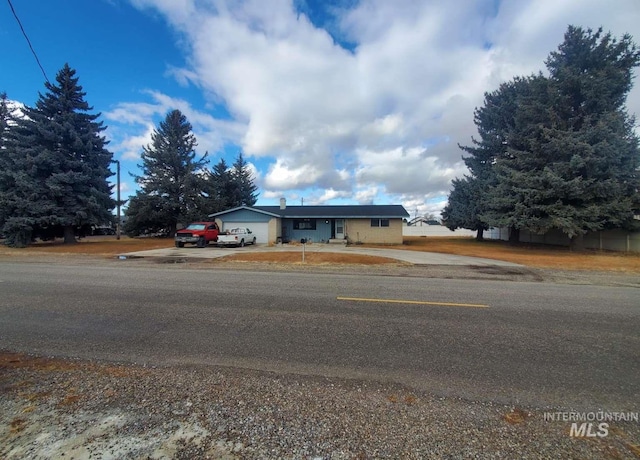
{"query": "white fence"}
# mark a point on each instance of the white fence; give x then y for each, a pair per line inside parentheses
(611, 240)
(434, 230)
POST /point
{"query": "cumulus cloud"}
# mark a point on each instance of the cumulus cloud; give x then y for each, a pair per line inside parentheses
(212, 133)
(374, 104)
(131, 146)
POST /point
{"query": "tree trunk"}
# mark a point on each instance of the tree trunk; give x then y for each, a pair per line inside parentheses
(514, 235)
(173, 228)
(69, 235)
(577, 243)
(480, 234)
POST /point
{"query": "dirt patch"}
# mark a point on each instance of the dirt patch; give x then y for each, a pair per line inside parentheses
(506, 272)
(17, 360)
(173, 260)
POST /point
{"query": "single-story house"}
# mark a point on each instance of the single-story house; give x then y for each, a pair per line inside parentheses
(318, 224)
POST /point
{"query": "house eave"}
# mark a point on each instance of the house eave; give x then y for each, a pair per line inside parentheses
(239, 208)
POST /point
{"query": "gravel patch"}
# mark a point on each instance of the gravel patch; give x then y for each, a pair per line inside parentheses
(53, 408)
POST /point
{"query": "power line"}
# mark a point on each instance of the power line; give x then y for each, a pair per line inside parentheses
(28, 41)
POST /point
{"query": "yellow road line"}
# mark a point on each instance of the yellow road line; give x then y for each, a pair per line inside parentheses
(414, 302)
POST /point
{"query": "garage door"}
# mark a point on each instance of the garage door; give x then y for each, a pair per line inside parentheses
(259, 229)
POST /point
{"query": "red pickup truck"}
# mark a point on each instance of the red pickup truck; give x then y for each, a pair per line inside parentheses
(198, 233)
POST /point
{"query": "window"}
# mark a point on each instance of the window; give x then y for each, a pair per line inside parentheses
(379, 222)
(304, 224)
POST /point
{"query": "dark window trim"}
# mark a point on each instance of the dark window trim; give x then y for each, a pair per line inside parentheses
(380, 222)
(304, 224)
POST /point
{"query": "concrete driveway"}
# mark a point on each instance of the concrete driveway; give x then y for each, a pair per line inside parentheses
(413, 257)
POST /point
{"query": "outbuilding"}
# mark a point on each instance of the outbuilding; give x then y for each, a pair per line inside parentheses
(379, 224)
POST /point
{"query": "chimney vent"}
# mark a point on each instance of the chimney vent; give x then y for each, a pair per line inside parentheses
(283, 203)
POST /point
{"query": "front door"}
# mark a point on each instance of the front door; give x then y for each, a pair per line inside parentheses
(339, 229)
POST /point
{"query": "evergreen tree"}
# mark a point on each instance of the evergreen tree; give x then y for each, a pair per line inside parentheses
(245, 190)
(57, 166)
(4, 163)
(230, 187)
(4, 117)
(465, 206)
(511, 190)
(172, 182)
(499, 131)
(219, 188)
(560, 152)
(145, 215)
(574, 161)
(595, 145)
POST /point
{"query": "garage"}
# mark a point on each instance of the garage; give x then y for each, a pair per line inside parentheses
(259, 229)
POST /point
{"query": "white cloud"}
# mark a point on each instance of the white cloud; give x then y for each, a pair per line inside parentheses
(382, 119)
(281, 176)
(406, 171)
(212, 133)
(418, 207)
(178, 11)
(367, 195)
(330, 194)
(125, 187)
(131, 146)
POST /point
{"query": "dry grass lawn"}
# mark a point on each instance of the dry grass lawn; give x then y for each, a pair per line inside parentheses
(93, 245)
(530, 255)
(321, 258)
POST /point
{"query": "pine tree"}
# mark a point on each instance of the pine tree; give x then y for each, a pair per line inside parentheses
(219, 188)
(58, 166)
(230, 187)
(4, 117)
(4, 163)
(511, 192)
(145, 215)
(172, 180)
(499, 132)
(594, 145)
(561, 152)
(573, 163)
(465, 206)
(245, 192)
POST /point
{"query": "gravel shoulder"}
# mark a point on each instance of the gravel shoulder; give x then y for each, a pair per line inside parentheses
(64, 409)
(55, 408)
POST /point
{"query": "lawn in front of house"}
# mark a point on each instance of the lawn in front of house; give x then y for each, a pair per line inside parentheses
(532, 255)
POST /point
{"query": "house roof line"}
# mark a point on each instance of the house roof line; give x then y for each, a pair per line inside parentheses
(261, 211)
(326, 211)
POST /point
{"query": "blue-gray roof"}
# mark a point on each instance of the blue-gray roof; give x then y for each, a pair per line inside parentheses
(388, 211)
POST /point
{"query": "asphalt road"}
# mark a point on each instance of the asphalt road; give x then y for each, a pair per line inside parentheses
(574, 347)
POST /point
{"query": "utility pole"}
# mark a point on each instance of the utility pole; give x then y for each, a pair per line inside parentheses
(117, 162)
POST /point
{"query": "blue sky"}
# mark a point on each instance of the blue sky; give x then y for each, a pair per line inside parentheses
(333, 102)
